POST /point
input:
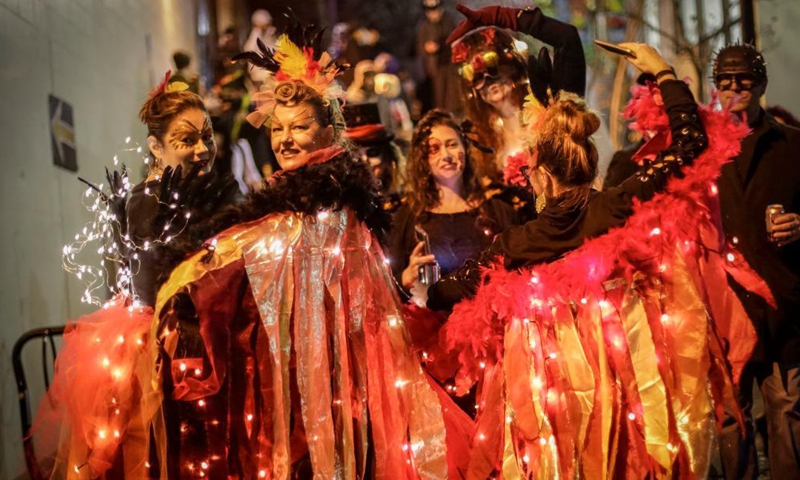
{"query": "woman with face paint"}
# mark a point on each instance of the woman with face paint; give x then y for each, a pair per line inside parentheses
(444, 200)
(103, 380)
(182, 150)
(284, 349)
(498, 77)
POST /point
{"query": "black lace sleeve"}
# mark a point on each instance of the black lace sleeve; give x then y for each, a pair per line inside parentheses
(688, 141)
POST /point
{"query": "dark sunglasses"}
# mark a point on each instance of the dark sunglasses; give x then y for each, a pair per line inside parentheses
(745, 81)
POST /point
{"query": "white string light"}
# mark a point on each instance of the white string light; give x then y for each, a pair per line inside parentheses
(119, 257)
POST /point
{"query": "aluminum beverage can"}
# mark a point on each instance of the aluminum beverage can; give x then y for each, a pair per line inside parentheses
(772, 210)
(429, 273)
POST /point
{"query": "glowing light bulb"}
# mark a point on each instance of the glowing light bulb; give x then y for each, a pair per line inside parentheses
(481, 436)
(482, 364)
(182, 367)
(526, 458)
(631, 416)
(543, 441)
(655, 231)
(664, 318)
(201, 403)
(730, 257)
(101, 434)
(584, 301)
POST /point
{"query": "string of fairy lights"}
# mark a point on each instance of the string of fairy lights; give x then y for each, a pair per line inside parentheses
(105, 235)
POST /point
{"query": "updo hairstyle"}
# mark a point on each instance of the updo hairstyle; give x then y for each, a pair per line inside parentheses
(565, 149)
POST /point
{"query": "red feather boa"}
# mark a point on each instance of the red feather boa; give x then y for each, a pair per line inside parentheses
(686, 214)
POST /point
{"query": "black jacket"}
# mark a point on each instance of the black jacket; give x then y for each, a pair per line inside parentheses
(559, 230)
(766, 172)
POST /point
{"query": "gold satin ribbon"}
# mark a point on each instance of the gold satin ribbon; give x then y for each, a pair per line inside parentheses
(327, 303)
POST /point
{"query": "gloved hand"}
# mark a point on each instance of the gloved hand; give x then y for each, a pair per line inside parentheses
(495, 15)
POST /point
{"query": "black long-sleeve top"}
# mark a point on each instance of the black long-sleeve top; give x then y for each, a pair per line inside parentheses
(454, 237)
(559, 230)
(569, 62)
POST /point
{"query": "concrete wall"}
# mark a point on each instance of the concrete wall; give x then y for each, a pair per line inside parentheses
(778, 39)
(94, 54)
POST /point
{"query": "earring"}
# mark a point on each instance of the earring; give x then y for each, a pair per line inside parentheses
(540, 202)
(155, 168)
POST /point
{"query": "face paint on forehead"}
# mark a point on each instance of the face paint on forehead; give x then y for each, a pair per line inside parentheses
(185, 127)
(299, 117)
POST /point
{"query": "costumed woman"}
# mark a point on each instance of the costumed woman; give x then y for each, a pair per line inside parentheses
(498, 77)
(283, 350)
(600, 352)
(445, 202)
(444, 221)
(93, 421)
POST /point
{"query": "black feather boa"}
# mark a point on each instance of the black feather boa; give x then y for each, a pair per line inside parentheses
(341, 182)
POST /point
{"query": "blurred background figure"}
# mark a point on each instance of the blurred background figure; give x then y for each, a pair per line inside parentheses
(340, 37)
(362, 90)
(183, 73)
(363, 44)
(783, 116)
(261, 29)
(394, 110)
(376, 146)
(444, 198)
(439, 86)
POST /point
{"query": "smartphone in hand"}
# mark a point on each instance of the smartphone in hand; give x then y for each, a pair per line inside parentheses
(610, 47)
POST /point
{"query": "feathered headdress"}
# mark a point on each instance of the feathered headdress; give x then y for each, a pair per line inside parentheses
(298, 55)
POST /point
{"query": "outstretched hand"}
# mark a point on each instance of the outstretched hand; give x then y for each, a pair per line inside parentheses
(647, 58)
(495, 15)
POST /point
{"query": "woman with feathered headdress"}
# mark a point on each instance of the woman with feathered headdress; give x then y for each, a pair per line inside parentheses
(283, 349)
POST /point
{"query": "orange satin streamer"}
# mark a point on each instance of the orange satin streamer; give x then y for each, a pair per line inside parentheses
(616, 387)
(691, 402)
(652, 391)
(329, 314)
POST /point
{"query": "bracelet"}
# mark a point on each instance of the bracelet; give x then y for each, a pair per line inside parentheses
(665, 72)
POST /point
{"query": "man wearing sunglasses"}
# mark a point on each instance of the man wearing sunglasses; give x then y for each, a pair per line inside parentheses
(766, 172)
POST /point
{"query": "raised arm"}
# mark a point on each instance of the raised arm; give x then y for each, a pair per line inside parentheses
(688, 134)
(568, 69)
